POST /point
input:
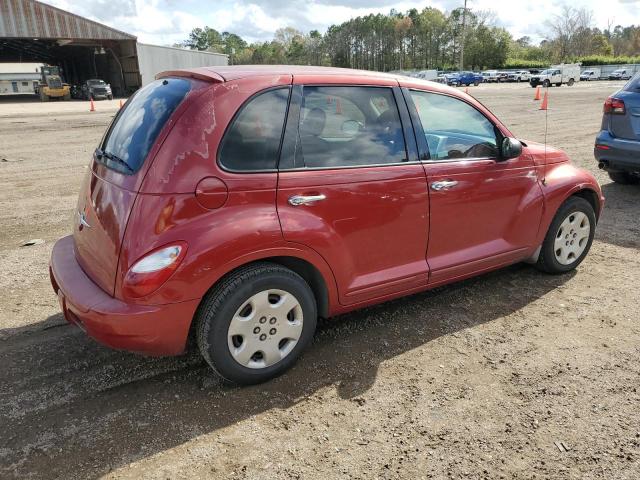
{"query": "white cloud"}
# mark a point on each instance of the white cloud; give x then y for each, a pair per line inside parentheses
(169, 21)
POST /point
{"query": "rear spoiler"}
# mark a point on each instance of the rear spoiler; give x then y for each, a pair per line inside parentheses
(203, 74)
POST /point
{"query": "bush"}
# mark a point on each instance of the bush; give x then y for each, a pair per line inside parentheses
(524, 64)
(593, 60)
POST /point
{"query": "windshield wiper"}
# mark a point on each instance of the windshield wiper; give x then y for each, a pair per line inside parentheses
(113, 158)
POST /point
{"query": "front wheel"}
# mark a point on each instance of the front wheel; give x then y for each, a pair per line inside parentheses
(546, 84)
(256, 322)
(569, 237)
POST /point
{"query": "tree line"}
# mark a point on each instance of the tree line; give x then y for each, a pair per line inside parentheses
(427, 39)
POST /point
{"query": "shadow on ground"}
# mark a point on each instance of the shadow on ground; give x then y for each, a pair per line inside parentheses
(72, 409)
(620, 221)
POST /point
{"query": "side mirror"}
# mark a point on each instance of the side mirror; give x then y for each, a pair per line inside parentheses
(510, 148)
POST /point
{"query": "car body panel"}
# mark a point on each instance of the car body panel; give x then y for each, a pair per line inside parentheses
(372, 254)
(495, 210)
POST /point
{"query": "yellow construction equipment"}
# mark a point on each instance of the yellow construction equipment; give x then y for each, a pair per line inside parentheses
(51, 85)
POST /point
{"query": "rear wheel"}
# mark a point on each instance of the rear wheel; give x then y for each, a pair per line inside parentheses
(570, 82)
(569, 237)
(255, 324)
(624, 178)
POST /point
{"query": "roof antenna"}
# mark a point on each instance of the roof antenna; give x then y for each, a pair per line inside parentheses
(546, 129)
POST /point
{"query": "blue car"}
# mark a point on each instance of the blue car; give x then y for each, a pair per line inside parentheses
(458, 79)
(617, 146)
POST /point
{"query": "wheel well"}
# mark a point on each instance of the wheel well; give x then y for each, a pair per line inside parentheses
(311, 275)
(591, 197)
(306, 270)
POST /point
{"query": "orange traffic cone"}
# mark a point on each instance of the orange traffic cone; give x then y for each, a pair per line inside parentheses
(545, 101)
(120, 104)
(537, 97)
(92, 107)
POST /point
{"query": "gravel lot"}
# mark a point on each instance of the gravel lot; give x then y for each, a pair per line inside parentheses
(474, 380)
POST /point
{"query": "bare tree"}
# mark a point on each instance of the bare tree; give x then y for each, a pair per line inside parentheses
(570, 33)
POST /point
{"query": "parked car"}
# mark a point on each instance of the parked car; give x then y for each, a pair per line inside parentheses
(591, 74)
(502, 77)
(95, 89)
(617, 147)
(518, 76)
(620, 74)
(240, 215)
(463, 79)
(566, 73)
(490, 76)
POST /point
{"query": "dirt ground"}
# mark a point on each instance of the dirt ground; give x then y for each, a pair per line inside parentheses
(474, 380)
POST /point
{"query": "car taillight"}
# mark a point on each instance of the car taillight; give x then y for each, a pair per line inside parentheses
(614, 106)
(153, 270)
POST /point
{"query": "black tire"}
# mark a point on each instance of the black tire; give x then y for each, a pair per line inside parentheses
(546, 84)
(214, 315)
(110, 97)
(475, 84)
(570, 82)
(547, 261)
(624, 178)
(559, 84)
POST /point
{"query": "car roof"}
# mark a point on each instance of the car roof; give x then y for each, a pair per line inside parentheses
(227, 73)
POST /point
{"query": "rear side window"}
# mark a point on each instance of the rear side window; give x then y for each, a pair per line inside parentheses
(453, 128)
(349, 126)
(252, 142)
(633, 85)
(136, 127)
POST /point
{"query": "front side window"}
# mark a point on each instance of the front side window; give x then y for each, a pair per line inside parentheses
(453, 128)
(349, 126)
(252, 142)
(136, 127)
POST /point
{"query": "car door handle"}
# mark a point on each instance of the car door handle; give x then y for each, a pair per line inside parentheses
(297, 200)
(444, 185)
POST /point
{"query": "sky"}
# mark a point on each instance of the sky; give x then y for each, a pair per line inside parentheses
(165, 22)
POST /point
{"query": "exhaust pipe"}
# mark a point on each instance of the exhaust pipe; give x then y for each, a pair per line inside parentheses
(603, 165)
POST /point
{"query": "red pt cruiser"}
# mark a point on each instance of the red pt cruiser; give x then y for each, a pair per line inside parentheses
(239, 204)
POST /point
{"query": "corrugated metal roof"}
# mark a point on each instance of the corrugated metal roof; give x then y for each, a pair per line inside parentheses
(32, 19)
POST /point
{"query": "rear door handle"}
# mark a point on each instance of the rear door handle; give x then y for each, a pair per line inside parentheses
(444, 185)
(297, 200)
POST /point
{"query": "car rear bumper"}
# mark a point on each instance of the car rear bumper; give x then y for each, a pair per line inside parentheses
(150, 329)
(617, 154)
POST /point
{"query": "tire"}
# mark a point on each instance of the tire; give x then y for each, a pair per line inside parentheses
(110, 97)
(546, 84)
(559, 84)
(247, 294)
(570, 82)
(568, 225)
(624, 178)
(475, 84)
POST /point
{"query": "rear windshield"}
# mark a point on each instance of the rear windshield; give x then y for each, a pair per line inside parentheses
(137, 125)
(633, 85)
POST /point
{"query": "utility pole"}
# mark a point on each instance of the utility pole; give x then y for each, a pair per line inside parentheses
(464, 23)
